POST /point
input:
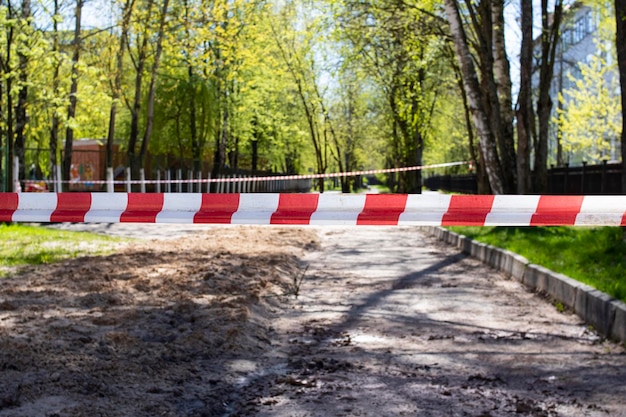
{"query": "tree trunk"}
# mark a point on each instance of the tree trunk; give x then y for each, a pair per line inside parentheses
(549, 40)
(56, 82)
(620, 38)
(196, 149)
(524, 114)
(475, 99)
(9, 106)
(223, 130)
(127, 10)
(191, 87)
(502, 71)
(140, 64)
(71, 110)
(22, 96)
(152, 89)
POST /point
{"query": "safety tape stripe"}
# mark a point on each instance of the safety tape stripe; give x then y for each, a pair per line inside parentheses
(106, 207)
(554, 209)
(321, 209)
(71, 208)
(295, 209)
(516, 211)
(35, 207)
(179, 209)
(600, 209)
(425, 211)
(217, 208)
(8, 206)
(142, 208)
(382, 209)
(255, 208)
(338, 209)
(468, 210)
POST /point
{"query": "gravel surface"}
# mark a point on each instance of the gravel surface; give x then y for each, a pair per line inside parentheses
(269, 321)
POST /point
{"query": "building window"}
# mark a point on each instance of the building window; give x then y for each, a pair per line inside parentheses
(579, 29)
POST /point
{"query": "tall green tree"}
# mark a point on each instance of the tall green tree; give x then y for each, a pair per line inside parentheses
(398, 46)
(298, 55)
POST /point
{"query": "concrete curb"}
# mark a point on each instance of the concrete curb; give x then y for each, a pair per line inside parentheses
(605, 314)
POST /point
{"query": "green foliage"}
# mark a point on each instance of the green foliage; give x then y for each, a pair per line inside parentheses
(32, 245)
(594, 256)
(401, 51)
(447, 141)
(316, 85)
(591, 119)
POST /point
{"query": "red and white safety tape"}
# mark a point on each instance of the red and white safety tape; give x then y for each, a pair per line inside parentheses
(315, 209)
(241, 178)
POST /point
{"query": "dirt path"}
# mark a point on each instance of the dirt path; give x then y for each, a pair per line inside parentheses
(391, 323)
(386, 322)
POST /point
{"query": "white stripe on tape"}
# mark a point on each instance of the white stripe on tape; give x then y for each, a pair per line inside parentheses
(255, 208)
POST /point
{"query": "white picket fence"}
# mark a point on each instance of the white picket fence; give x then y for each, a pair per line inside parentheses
(169, 182)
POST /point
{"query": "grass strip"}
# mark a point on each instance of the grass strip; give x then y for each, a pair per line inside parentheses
(595, 256)
(34, 245)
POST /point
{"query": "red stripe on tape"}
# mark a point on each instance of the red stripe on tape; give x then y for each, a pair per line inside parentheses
(554, 210)
(382, 209)
(217, 208)
(295, 209)
(142, 208)
(71, 207)
(467, 210)
(8, 205)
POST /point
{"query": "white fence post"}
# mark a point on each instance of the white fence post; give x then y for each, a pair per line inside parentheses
(17, 188)
(110, 185)
(158, 181)
(128, 181)
(58, 179)
(142, 178)
(179, 179)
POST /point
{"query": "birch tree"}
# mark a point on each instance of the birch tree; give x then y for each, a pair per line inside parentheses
(476, 100)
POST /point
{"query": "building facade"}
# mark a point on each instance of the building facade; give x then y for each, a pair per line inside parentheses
(583, 124)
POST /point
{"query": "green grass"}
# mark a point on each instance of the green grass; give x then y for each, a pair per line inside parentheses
(595, 256)
(34, 245)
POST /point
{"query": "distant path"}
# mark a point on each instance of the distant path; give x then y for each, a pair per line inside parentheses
(390, 322)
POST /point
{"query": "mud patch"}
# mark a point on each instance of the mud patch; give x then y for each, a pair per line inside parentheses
(153, 330)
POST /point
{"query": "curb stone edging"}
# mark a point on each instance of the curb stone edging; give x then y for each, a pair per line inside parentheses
(606, 314)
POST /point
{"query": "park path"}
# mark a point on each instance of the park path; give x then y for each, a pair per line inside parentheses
(390, 322)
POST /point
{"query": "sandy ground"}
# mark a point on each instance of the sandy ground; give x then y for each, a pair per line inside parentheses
(270, 321)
